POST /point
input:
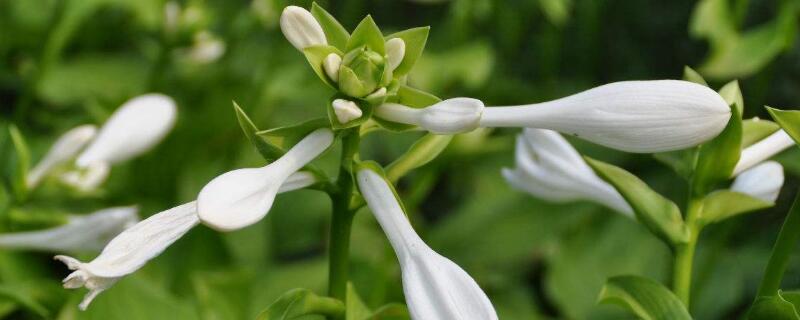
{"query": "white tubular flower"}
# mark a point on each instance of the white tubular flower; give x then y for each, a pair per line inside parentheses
(63, 150)
(395, 52)
(137, 126)
(763, 181)
(435, 287)
(450, 116)
(301, 28)
(633, 116)
(548, 167)
(242, 197)
(346, 110)
(763, 150)
(81, 233)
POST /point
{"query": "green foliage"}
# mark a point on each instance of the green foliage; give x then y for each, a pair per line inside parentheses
(424, 150)
(717, 158)
(335, 33)
(645, 298)
(366, 34)
(298, 303)
(789, 120)
(724, 204)
(23, 163)
(415, 39)
(315, 55)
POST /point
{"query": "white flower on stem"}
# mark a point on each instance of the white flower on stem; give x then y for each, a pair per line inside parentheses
(346, 110)
(435, 287)
(763, 150)
(301, 28)
(548, 167)
(395, 52)
(331, 66)
(634, 116)
(763, 181)
(63, 150)
(134, 247)
(81, 233)
(242, 197)
(450, 116)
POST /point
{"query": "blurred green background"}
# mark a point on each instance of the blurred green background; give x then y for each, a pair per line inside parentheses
(70, 62)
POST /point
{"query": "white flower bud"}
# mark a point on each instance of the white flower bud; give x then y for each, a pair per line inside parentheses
(63, 150)
(331, 66)
(451, 116)
(242, 197)
(435, 288)
(377, 93)
(395, 52)
(763, 181)
(346, 110)
(763, 150)
(301, 28)
(633, 116)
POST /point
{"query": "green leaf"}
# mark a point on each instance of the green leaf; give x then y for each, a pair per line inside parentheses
(659, 214)
(268, 151)
(732, 94)
(772, 308)
(356, 308)
(690, 75)
(23, 296)
(287, 136)
(717, 158)
(301, 302)
(315, 55)
(415, 40)
(23, 163)
(789, 120)
(367, 34)
(680, 161)
(724, 204)
(335, 33)
(420, 153)
(644, 297)
(755, 129)
(366, 113)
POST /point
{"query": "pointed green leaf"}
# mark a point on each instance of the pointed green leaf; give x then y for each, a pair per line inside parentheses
(723, 204)
(356, 308)
(415, 40)
(755, 129)
(717, 158)
(367, 34)
(23, 163)
(789, 120)
(657, 213)
(298, 303)
(690, 75)
(287, 136)
(315, 56)
(732, 94)
(268, 151)
(420, 153)
(680, 161)
(336, 35)
(645, 298)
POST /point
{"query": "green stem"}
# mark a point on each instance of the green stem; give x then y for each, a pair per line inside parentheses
(684, 254)
(787, 240)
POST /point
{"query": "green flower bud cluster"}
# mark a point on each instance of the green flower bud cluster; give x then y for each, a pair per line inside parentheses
(362, 72)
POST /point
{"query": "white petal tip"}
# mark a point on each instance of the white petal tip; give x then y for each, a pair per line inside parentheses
(331, 66)
(301, 28)
(395, 52)
(346, 110)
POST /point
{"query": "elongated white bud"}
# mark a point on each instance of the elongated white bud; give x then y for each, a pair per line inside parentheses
(763, 150)
(136, 127)
(346, 110)
(633, 116)
(395, 52)
(301, 28)
(451, 116)
(763, 181)
(242, 197)
(63, 150)
(331, 66)
(435, 287)
(548, 167)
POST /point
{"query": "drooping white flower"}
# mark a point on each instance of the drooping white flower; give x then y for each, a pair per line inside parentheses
(548, 167)
(301, 28)
(242, 197)
(762, 150)
(450, 116)
(63, 150)
(395, 52)
(137, 126)
(763, 181)
(435, 287)
(81, 233)
(346, 110)
(634, 116)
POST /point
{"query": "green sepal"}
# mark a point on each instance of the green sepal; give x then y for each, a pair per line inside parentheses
(789, 120)
(717, 158)
(775, 307)
(297, 303)
(415, 39)
(315, 55)
(645, 298)
(660, 215)
(724, 204)
(732, 94)
(680, 161)
(753, 130)
(287, 136)
(419, 154)
(335, 33)
(23, 162)
(367, 34)
(690, 75)
(411, 97)
(270, 152)
(366, 113)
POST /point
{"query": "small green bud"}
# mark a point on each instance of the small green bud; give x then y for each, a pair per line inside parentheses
(362, 72)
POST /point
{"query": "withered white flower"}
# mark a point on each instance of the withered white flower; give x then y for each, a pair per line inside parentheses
(548, 167)
(301, 28)
(763, 150)
(435, 287)
(65, 149)
(763, 181)
(81, 233)
(239, 198)
(447, 117)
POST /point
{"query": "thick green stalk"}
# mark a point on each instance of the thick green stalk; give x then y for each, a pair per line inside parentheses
(684, 254)
(787, 240)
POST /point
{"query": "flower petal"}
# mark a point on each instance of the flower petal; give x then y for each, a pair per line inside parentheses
(301, 28)
(763, 150)
(64, 149)
(451, 116)
(763, 181)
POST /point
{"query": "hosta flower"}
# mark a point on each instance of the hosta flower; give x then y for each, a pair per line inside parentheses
(362, 72)
(301, 28)
(81, 232)
(447, 117)
(548, 167)
(763, 181)
(134, 247)
(435, 287)
(63, 150)
(762, 150)
(242, 197)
